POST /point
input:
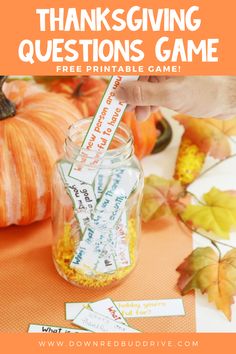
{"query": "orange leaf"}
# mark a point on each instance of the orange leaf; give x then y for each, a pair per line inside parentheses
(204, 270)
(161, 197)
(210, 135)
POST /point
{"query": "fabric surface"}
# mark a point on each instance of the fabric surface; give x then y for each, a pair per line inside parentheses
(31, 291)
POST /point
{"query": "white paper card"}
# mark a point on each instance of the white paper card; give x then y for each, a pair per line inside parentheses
(35, 328)
(107, 307)
(151, 308)
(138, 308)
(101, 130)
(95, 322)
(73, 308)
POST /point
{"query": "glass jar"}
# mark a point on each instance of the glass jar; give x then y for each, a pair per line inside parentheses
(97, 246)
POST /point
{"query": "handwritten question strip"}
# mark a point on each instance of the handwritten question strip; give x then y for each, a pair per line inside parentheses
(98, 323)
(109, 309)
(131, 309)
(107, 316)
(35, 328)
(101, 131)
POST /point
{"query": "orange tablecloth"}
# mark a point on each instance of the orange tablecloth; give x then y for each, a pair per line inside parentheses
(31, 291)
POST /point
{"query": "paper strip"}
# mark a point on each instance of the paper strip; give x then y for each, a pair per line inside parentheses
(101, 131)
(89, 250)
(88, 256)
(95, 322)
(138, 308)
(81, 194)
(107, 307)
(112, 203)
(73, 308)
(35, 328)
(151, 308)
(101, 181)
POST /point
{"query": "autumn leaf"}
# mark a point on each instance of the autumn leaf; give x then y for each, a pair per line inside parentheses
(217, 214)
(210, 135)
(204, 270)
(161, 197)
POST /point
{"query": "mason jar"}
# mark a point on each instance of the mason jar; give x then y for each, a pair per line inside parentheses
(96, 245)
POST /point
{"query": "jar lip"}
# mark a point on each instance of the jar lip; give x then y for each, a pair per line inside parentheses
(115, 152)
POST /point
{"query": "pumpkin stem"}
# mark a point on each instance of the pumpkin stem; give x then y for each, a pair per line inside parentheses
(7, 108)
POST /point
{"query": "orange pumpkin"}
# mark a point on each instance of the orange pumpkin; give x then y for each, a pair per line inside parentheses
(85, 92)
(145, 133)
(33, 125)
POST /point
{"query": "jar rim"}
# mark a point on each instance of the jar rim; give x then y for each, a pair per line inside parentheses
(124, 150)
